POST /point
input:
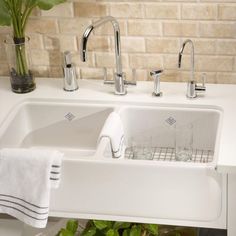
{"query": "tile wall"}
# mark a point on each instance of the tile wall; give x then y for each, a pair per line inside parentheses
(151, 36)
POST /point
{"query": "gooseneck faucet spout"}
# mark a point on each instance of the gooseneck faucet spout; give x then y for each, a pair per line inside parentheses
(119, 75)
(192, 56)
(192, 87)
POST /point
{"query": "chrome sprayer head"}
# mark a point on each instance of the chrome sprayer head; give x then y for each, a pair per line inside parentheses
(180, 60)
(83, 43)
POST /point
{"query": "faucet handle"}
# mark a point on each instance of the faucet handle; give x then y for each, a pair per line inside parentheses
(105, 77)
(201, 88)
(126, 82)
(133, 81)
(156, 74)
(105, 74)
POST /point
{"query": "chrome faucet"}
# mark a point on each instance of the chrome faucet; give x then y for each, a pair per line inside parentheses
(192, 86)
(119, 79)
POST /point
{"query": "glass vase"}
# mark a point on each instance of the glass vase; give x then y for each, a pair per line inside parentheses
(19, 61)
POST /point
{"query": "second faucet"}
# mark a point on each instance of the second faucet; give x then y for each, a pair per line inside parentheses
(192, 86)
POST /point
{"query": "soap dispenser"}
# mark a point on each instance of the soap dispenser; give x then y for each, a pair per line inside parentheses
(70, 80)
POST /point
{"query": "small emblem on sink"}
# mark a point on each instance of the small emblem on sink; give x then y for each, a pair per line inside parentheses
(170, 120)
(69, 116)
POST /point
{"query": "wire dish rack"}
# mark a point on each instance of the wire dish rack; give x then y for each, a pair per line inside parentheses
(168, 154)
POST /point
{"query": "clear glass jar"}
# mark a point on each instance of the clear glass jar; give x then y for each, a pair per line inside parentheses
(19, 61)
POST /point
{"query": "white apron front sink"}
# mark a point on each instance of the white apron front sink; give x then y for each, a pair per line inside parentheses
(95, 185)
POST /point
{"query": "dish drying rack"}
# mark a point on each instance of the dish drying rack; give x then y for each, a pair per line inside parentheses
(168, 154)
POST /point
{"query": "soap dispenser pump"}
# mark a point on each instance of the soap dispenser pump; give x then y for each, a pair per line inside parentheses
(70, 80)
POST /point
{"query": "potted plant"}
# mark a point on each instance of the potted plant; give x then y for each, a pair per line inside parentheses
(117, 228)
(16, 13)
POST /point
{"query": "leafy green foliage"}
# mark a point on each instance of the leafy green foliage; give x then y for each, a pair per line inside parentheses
(136, 230)
(5, 18)
(151, 228)
(115, 228)
(48, 4)
(70, 230)
(17, 12)
(72, 226)
(102, 224)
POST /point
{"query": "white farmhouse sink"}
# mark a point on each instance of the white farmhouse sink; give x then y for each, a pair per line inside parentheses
(95, 185)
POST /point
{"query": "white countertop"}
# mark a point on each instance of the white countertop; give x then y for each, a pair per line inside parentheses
(220, 95)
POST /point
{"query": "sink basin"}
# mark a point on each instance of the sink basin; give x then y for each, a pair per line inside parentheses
(159, 123)
(70, 128)
(95, 185)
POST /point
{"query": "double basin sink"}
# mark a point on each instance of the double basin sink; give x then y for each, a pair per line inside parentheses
(95, 185)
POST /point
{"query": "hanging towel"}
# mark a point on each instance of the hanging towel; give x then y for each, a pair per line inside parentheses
(26, 177)
(114, 131)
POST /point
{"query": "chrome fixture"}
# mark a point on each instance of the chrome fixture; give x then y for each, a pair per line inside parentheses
(156, 74)
(192, 87)
(70, 80)
(119, 79)
(126, 82)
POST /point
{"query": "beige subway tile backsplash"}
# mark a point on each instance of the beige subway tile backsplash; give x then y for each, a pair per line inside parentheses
(214, 63)
(162, 11)
(87, 9)
(218, 30)
(98, 43)
(227, 12)
(144, 61)
(226, 47)
(131, 44)
(75, 26)
(144, 27)
(127, 10)
(199, 11)
(152, 32)
(43, 26)
(63, 10)
(180, 29)
(162, 45)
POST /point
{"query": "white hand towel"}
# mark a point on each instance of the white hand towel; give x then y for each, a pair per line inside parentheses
(113, 129)
(26, 176)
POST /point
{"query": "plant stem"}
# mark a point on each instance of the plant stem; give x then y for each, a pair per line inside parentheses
(21, 59)
(15, 7)
(26, 15)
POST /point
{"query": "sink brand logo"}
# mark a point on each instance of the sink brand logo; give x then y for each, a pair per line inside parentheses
(170, 121)
(69, 116)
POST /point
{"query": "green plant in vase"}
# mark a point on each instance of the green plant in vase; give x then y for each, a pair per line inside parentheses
(16, 13)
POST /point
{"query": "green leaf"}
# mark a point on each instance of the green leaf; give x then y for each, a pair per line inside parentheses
(72, 226)
(135, 230)
(102, 224)
(151, 228)
(121, 225)
(126, 232)
(112, 232)
(89, 232)
(5, 18)
(48, 4)
(65, 232)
